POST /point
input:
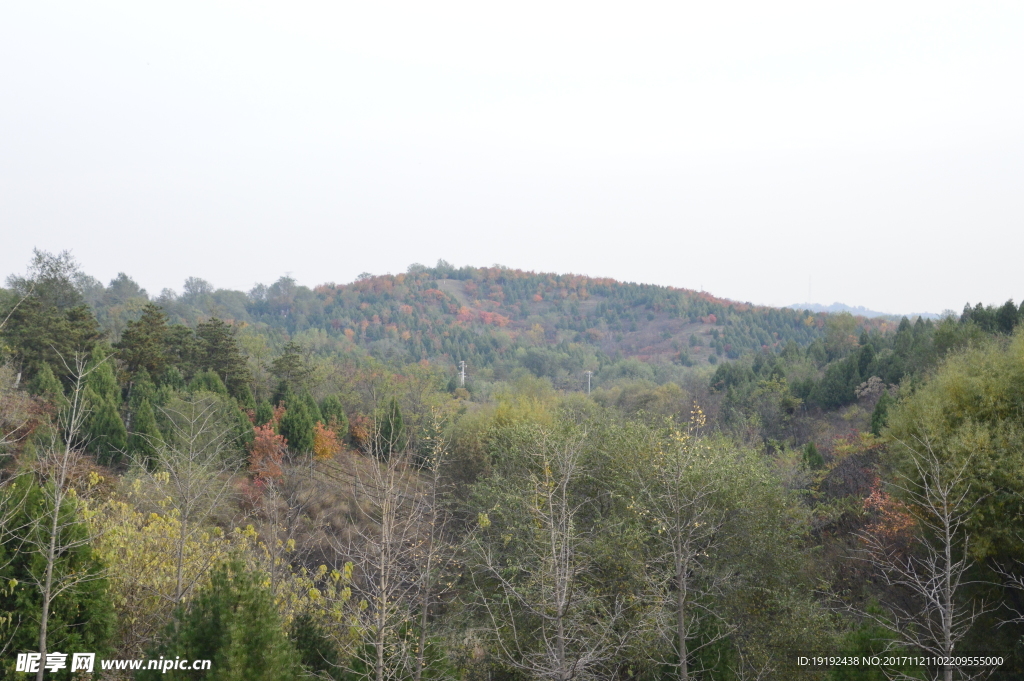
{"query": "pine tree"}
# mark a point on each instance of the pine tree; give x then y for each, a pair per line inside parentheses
(141, 388)
(221, 353)
(172, 379)
(283, 394)
(291, 367)
(143, 343)
(880, 415)
(234, 623)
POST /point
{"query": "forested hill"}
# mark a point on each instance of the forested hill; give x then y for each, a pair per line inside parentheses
(485, 316)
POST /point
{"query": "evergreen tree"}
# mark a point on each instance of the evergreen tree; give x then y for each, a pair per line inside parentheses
(392, 429)
(282, 395)
(45, 384)
(291, 367)
(101, 377)
(313, 407)
(172, 379)
(246, 399)
(220, 352)
(264, 412)
(297, 426)
(880, 415)
(234, 623)
(208, 381)
(141, 388)
(104, 430)
(317, 652)
(145, 438)
(812, 457)
(1006, 317)
(143, 343)
(334, 415)
(244, 433)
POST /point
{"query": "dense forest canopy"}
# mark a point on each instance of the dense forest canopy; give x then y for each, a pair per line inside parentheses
(629, 482)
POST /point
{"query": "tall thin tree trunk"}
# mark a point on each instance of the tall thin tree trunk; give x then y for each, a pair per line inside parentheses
(684, 669)
(48, 584)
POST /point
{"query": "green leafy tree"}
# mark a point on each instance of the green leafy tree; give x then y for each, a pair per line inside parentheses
(233, 623)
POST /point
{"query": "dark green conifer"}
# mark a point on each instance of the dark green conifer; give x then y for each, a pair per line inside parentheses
(334, 414)
(812, 457)
(880, 416)
(145, 439)
(46, 385)
(220, 352)
(172, 379)
(313, 407)
(101, 378)
(209, 381)
(143, 343)
(264, 412)
(105, 433)
(283, 394)
(297, 426)
(234, 623)
(391, 435)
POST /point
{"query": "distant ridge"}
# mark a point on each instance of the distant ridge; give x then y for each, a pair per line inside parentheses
(859, 310)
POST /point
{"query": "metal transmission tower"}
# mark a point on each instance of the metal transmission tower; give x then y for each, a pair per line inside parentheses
(589, 374)
(462, 374)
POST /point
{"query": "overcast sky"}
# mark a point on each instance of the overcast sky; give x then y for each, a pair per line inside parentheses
(869, 153)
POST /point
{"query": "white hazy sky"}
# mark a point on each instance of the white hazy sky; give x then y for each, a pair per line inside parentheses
(871, 150)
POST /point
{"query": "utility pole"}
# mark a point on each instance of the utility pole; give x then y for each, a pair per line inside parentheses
(589, 374)
(462, 374)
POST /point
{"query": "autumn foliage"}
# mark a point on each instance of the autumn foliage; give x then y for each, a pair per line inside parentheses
(325, 442)
(893, 522)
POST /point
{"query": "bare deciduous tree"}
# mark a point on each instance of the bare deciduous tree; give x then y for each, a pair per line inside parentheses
(676, 490)
(930, 569)
(546, 621)
(399, 545)
(59, 531)
(190, 475)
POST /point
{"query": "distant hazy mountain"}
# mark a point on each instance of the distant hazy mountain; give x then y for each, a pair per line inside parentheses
(860, 310)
